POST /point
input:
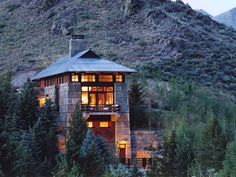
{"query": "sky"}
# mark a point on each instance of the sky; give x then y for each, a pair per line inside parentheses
(213, 7)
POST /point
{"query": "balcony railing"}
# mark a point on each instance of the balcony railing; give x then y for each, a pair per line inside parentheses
(100, 108)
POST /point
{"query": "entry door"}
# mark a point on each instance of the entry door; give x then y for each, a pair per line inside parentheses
(122, 153)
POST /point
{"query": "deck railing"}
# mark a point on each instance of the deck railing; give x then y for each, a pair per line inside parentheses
(100, 108)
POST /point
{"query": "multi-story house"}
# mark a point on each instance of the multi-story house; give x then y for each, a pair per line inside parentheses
(98, 85)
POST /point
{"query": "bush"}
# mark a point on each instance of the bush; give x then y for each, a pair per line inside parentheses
(117, 171)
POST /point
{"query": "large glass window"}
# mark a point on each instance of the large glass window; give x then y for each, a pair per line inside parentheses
(93, 95)
(105, 78)
(88, 78)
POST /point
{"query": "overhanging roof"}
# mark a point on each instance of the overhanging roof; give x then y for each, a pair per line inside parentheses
(82, 63)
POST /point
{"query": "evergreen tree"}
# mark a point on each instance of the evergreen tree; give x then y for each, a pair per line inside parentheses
(136, 95)
(138, 117)
(230, 160)
(62, 168)
(169, 156)
(184, 150)
(7, 154)
(76, 134)
(155, 168)
(28, 151)
(212, 147)
(27, 106)
(47, 124)
(91, 161)
(6, 92)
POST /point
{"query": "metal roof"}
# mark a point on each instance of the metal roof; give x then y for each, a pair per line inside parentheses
(79, 63)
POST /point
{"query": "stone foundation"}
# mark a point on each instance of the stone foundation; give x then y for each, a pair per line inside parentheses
(142, 140)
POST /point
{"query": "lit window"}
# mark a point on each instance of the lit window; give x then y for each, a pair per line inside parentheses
(88, 78)
(42, 101)
(89, 124)
(103, 124)
(74, 77)
(109, 98)
(84, 95)
(119, 78)
(105, 78)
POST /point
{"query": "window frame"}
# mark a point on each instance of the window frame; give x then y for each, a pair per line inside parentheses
(122, 77)
(100, 75)
(95, 76)
(74, 74)
(97, 92)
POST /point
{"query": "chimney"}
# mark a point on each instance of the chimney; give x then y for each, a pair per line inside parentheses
(77, 44)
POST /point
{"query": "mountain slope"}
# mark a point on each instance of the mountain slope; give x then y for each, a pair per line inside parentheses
(203, 12)
(151, 35)
(228, 18)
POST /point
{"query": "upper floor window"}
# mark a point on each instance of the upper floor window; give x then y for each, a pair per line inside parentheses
(74, 77)
(105, 78)
(119, 78)
(88, 78)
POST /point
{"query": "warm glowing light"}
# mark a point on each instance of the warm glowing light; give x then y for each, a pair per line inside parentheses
(74, 77)
(122, 146)
(89, 124)
(88, 78)
(104, 124)
(42, 101)
(119, 78)
(105, 78)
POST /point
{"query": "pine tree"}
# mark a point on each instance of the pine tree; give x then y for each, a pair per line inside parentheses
(47, 124)
(184, 149)
(136, 95)
(27, 106)
(212, 147)
(170, 160)
(155, 168)
(76, 134)
(6, 92)
(27, 162)
(62, 168)
(138, 117)
(230, 160)
(184, 154)
(91, 161)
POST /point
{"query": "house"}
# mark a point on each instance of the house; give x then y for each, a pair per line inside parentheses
(100, 88)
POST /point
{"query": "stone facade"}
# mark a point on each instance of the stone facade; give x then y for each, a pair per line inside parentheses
(141, 140)
(67, 95)
(122, 125)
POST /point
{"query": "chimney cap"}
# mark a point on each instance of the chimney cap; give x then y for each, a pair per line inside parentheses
(77, 36)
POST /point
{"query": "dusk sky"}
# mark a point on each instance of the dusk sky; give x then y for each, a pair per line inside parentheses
(214, 7)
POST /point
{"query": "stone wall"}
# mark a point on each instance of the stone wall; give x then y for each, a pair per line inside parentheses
(50, 91)
(122, 124)
(141, 140)
(122, 132)
(70, 95)
(121, 97)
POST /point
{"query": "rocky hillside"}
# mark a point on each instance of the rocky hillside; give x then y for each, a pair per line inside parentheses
(204, 12)
(152, 35)
(228, 18)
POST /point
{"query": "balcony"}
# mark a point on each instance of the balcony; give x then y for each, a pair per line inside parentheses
(100, 108)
